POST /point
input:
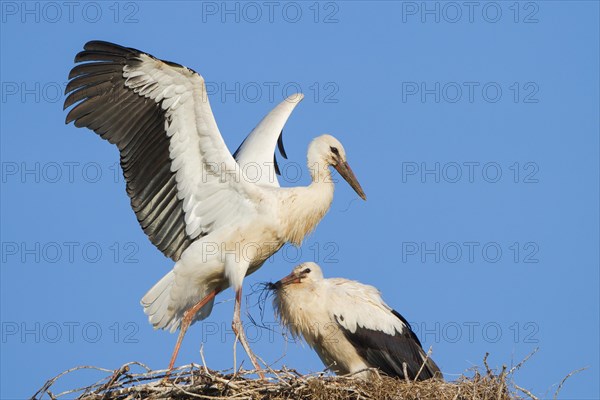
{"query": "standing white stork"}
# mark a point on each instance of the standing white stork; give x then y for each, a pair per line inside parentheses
(349, 325)
(189, 194)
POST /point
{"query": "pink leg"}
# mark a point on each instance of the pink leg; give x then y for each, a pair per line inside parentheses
(188, 316)
(239, 332)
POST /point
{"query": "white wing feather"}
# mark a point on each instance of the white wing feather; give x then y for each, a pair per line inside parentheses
(258, 148)
(208, 178)
(353, 304)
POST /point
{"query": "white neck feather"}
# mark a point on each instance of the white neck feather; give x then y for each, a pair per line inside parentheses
(304, 207)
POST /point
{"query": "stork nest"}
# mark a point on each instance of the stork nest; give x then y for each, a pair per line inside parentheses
(198, 382)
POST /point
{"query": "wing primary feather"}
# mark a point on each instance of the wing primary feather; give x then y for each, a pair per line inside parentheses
(275, 165)
(92, 55)
(94, 68)
(107, 47)
(280, 145)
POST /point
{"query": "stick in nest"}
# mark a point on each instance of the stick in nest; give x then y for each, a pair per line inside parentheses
(194, 382)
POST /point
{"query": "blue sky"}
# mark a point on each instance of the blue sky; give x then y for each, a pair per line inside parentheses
(473, 130)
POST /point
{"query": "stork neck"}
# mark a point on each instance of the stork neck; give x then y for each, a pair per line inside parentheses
(306, 206)
(321, 187)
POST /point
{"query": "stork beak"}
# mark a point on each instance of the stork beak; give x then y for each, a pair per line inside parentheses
(346, 172)
(291, 278)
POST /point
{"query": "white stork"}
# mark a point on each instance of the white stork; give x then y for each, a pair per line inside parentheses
(188, 192)
(349, 325)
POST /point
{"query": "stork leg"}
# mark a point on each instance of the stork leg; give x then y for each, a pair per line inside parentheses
(188, 317)
(238, 329)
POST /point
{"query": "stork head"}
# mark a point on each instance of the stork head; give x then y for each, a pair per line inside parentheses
(329, 150)
(305, 272)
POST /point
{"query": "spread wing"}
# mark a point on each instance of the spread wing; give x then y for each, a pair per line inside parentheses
(181, 178)
(256, 154)
(380, 335)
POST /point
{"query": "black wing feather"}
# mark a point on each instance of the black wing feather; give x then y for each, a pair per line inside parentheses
(275, 165)
(280, 145)
(137, 126)
(389, 352)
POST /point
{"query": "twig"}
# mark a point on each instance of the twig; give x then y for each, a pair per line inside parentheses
(123, 370)
(519, 365)
(206, 371)
(565, 379)
(502, 380)
(45, 389)
(200, 396)
(527, 392)
(424, 362)
(405, 370)
(487, 367)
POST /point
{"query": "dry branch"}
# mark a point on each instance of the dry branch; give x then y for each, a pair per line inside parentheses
(198, 382)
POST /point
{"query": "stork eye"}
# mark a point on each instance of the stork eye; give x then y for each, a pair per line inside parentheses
(334, 150)
(306, 271)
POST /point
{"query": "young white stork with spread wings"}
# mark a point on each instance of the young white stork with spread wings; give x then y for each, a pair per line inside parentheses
(191, 197)
(349, 326)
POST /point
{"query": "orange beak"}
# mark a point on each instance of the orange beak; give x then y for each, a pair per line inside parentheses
(346, 172)
(288, 280)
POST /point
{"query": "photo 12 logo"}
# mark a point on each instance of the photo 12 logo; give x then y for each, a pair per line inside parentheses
(470, 252)
(69, 252)
(477, 331)
(271, 91)
(470, 92)
(60, 172)
(470, 12)
(68, 332)
(53, 12)
(469, 172)
(253, 12)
